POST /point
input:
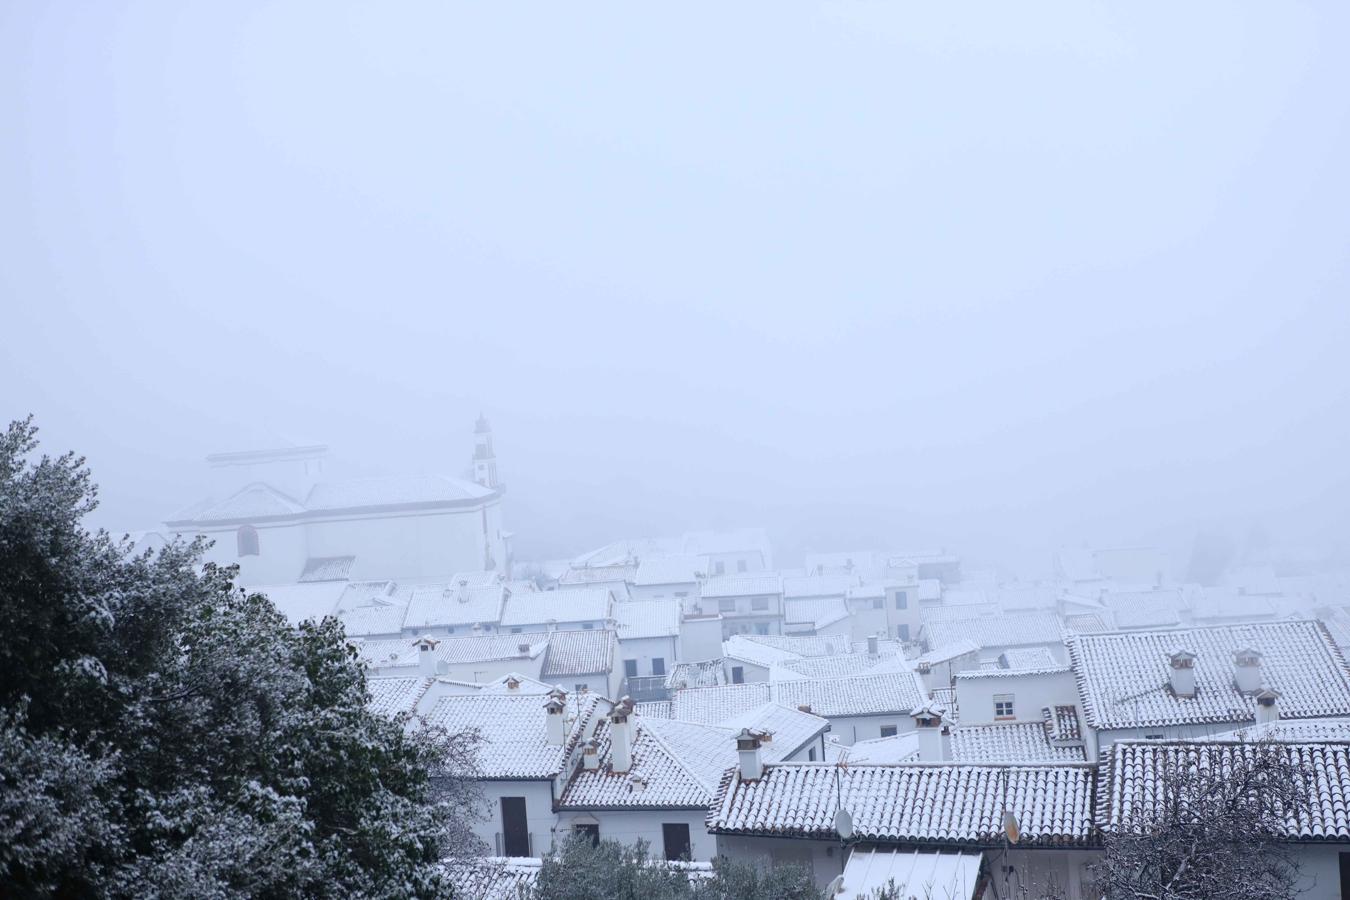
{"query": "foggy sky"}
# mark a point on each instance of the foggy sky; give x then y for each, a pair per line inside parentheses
(867, 274)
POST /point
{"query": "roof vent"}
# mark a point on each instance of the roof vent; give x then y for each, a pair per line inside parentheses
(804, 707)
(1247, 670)
(523, 649)
(1267, 707)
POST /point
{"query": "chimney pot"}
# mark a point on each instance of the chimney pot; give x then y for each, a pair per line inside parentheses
(1247, 670)
(752, 759)
(1181, 673)
(1267, 707)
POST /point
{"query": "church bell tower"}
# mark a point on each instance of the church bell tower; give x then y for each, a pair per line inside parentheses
(484, 460)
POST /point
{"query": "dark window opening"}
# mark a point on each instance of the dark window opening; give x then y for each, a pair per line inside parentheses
(588, 831)
(658, 665)
(676, 837)
(515, 827)
(738, 675)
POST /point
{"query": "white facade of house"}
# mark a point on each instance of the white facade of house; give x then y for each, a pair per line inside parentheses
(1001, 695)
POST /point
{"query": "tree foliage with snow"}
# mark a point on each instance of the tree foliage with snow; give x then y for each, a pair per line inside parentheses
(165, 734)
(582, 870)
(1218, 828)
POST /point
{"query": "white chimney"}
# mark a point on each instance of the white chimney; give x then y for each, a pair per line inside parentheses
(512, 684)
(621, 736)
(1267, 707)
(426, 655)
(932, 734)
(1181, 673)
(752, 760)
(590, 757)
(555, 713)
(872, 645)
(1247, 670)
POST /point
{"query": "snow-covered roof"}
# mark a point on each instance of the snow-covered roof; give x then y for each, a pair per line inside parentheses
(374, 619)
(857, 695)
(1291, 730)
(740, 648)
(1123, 678)
(841, 664)
(391, 696)
(562, 605)
(1134, 782)
(711, 705)
(1026, 658)
(449, 603)
(1008, 743)
(598, 575)
(327, 568)
(705, 673)
(382, 653)
(900, 748)
(737, 540)
(578, 653)
(488, 647)
(742, 585)
(514, 730)
(661, 775)
(1230, 603)
(945, 652)
(671, 569)
(493, 877)
(636, 619)
(801, 645)
(951, 876)
(808, 586)
(818, 612)
(933, 615)
(998, 630)
(297, 602)
(945, 805)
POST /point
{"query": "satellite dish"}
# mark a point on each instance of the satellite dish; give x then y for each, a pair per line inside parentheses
(1010, 827)
(843, 823)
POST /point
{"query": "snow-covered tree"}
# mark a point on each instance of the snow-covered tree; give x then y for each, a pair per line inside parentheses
(165, 734)
(1207, 820)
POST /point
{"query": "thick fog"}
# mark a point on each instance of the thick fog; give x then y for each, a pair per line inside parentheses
(864, 274)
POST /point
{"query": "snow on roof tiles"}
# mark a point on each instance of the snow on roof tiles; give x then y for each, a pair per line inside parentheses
(669, 570)
(1123, 678)
(818, 612)
(707, 673)
(493, 878)
(1133, 782)
(391, 696)
(933, 615)
(598, 575)
(327, 568)
(658, 776)
(998, 631)
(450, 603)
(1009, 743)
(948, 805)
(578, 653)
(817, 586)
(742, 585)
(514, 731)
(858, 695)
(375, 619)
(900, 748)
(845, 664)
(563, 605)
(297, 602)
(712, 705)
(636, 619)
(486, 647)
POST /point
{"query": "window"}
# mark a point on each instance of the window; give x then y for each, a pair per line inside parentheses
(515, 631)
(902, 632)
(726, 604)
(247, 538)
(658, 665)
(889, 730)
(1003, 706)
(738, 674)
(676, 838)
(591, 831)
(901, 600)
(681, 593)
(587, 626)
(1155, 736)
(630, 667)
(740, 565)
(761, 628)
(759, 602)
(581, 687)
(811, 755)
(878, 603)
(719, 568)
(449, 629)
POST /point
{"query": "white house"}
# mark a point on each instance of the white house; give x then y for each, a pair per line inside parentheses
(649, 639)
(748, 604)
(577, 608)
(582, 661)
(668, 576)
(273, 513)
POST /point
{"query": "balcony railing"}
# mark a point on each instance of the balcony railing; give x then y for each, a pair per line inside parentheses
(500, 843)
(645, 688)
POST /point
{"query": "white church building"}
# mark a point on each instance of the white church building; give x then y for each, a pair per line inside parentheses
(275, 515)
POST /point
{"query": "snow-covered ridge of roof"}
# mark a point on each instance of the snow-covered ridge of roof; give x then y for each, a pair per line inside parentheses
(945, 805)
(493, 878)
(1123, 677)
(975, 674)
(374, 619)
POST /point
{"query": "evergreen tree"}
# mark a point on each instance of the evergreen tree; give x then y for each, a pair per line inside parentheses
(163, 733)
